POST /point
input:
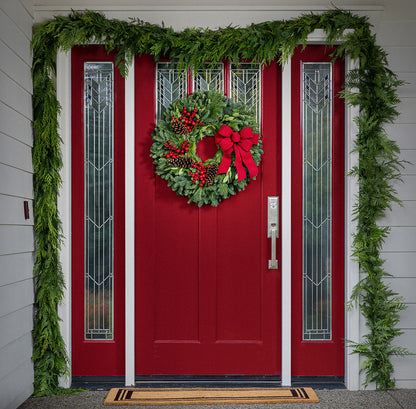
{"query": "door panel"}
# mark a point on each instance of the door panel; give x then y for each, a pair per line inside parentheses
(206, 302)
(319, 356)
(97, 346)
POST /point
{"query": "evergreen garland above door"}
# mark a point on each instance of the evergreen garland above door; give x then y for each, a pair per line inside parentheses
(372, 87)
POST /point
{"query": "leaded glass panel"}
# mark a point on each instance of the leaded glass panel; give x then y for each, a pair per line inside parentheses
(99, 208)
(209, 79)
(245, 86)
(317, 211)
(170, 86)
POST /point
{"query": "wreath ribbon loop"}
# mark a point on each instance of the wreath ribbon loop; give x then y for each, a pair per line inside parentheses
(240, 143)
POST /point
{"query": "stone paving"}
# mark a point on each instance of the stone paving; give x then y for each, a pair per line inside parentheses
(329, 399)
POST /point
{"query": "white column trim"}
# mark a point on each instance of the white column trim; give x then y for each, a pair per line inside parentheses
(352, 273)
(286, 226)
(129, 228)
(63, 94)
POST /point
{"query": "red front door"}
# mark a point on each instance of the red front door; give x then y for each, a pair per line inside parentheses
(206, 302)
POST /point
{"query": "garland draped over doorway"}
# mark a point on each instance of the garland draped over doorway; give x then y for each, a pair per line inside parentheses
(372, 87)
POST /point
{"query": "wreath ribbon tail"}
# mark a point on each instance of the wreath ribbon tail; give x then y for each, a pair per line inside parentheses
(250, 164)
(225, 162)
(241, 172)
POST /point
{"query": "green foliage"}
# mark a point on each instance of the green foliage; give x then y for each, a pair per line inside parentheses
(372, 87)
(213, 109)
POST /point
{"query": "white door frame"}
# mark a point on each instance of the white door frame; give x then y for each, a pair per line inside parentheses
(64, 206)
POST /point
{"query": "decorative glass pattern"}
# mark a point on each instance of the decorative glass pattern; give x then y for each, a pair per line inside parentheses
(210, 79)
(99, 208)
(246, 86)
(317, 224)
(170, 86)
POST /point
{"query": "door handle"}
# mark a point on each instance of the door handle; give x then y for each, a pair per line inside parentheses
(273, 227)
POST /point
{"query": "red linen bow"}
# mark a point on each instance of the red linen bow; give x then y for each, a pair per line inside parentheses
(241, 143)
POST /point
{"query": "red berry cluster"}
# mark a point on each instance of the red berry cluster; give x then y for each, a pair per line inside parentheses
(188, 119)
(199, 175)
(174, 151)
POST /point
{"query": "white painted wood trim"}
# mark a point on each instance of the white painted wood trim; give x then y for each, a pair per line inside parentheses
(197, 6)
(63, 93)
(286, 235)
(129, 227)
(319, 36)
(352, 274)
(64, 207)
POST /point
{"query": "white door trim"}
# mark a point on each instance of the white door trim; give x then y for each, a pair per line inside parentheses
(63, 94)
(286, 376)
(64, 207)
(129, 229)
(352, 271)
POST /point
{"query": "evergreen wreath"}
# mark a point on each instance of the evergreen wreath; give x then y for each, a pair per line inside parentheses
(191, 119)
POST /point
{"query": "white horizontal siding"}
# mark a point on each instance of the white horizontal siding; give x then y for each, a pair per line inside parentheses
(15, 38)
(397, 34)
(16, 185)
(28, 5)
(12, 356)
(407, 109)
(15, 182)
(16, 296)
(409, 88)
(401, 59)
(14, 325)
(13, 211)
(407, 317)
(405, 287)
(404, 215)
(13, 390)
(402, 134)
(400, 264)
(401, 239)
(392, 34)
(405, 367)
(406, 190)
(408, 156)
(10, 263)
(15, 153)
(14, 124)
(16, 68)
(16, 239)
(19, 15)
(16, 97)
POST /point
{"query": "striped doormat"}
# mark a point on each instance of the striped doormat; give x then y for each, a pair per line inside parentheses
(198, 396)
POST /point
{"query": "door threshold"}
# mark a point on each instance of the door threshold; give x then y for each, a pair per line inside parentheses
(178, 381)
(206, 381)
(319, 382)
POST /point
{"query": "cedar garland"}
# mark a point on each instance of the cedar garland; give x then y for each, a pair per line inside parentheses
(378, 169)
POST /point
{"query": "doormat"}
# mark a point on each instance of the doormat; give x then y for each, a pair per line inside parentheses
(198, 396)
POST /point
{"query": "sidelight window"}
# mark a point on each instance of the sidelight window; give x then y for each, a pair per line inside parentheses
(317, 199)
(99, 200)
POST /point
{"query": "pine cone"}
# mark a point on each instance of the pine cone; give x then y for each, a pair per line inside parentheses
(179, 127)
(211, 173)
(181, 162)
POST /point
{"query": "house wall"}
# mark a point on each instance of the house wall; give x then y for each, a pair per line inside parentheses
(394, 24)
(397, 35)
(16, 233)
